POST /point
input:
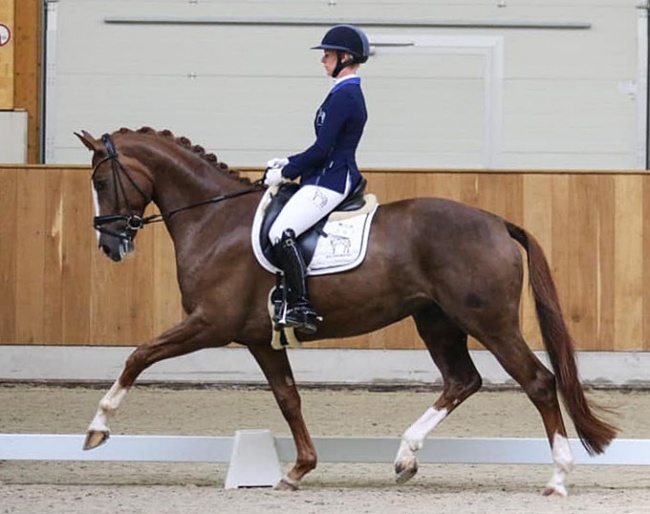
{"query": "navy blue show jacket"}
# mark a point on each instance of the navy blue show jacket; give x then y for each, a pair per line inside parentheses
(338, 125)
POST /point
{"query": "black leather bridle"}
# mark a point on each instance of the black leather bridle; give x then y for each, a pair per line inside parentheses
(132, 221)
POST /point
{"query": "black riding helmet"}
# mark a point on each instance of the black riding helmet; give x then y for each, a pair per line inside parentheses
(346, 39)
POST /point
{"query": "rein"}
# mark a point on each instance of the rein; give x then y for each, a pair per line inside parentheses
(257, 186)
(133, 221)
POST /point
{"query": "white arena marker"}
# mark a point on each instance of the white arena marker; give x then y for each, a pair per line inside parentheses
(254, 461)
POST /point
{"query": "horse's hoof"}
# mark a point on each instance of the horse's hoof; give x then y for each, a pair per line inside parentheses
(558, 490)
(286, 484)
(95, 438)
(405, 470)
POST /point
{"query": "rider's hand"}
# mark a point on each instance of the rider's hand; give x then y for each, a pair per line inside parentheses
(273, 176)
(277, 163)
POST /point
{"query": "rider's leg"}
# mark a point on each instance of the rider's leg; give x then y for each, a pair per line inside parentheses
(300, 314)
(305, 208)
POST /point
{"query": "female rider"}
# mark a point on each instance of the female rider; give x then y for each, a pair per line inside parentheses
(327, 169)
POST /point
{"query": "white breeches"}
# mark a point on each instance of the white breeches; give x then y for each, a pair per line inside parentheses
(306, 208)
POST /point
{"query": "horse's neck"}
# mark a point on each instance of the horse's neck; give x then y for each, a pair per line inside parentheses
(183, 187)
(183, 182)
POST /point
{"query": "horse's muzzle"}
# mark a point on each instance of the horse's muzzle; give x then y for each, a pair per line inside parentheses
(115, 248)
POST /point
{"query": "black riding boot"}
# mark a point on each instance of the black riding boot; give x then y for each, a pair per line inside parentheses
(300, 314)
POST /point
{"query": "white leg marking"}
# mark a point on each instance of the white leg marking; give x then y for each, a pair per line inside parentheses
(107, 406)
(563, 459)
(416, 434)
(413, 439)
(96, 204)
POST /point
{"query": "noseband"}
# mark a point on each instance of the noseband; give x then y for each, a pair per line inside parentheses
(132, 221)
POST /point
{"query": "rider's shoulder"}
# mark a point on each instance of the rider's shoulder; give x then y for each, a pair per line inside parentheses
(346, 95)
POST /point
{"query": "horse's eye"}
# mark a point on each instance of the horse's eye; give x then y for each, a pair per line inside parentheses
(100, 185)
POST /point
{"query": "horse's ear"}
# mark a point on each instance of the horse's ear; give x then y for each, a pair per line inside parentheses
(89, 141)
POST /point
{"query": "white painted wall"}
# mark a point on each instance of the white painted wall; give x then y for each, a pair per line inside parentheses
(572, 96)
(13, 137)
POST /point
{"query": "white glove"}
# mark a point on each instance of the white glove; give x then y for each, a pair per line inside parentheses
(273, 176)
(277, 163)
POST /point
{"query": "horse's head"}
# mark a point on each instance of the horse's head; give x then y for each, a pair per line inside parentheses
(122, 188)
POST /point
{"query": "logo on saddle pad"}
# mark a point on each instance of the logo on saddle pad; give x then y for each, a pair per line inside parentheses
(337, 243)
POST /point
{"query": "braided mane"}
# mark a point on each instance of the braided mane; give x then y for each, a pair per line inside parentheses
(184, 142)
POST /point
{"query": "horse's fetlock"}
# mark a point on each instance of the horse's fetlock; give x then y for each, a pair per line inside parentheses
(311, 463)
(308, 460)
(567, 466)
(411, 443)
(106, 407)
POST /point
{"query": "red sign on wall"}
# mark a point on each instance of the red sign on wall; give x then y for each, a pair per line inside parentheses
(5, 34)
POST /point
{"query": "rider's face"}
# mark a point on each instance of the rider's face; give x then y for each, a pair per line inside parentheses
(329, 61)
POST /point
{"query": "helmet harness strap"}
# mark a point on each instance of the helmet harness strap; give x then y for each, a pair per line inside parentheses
(340, 64)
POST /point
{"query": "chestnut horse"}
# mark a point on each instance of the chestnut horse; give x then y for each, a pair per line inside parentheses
(454, 269)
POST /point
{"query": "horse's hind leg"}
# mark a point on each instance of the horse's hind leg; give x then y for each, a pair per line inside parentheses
(277, 370)
(189, 335)
(447, 344)
(538, 382)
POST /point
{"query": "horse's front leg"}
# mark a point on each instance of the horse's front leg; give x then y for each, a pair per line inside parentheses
(190, 335)
(277, 370)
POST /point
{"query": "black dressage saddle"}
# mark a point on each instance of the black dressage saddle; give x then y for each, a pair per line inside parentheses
(308, 240)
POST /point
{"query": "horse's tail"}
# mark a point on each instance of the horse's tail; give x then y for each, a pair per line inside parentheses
(594, 433)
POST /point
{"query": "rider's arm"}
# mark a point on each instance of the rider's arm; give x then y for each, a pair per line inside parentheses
(338, 112)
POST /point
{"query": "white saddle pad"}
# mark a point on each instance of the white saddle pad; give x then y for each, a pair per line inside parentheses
(344, 247)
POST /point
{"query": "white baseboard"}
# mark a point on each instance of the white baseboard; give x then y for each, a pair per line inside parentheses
(328, 366)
